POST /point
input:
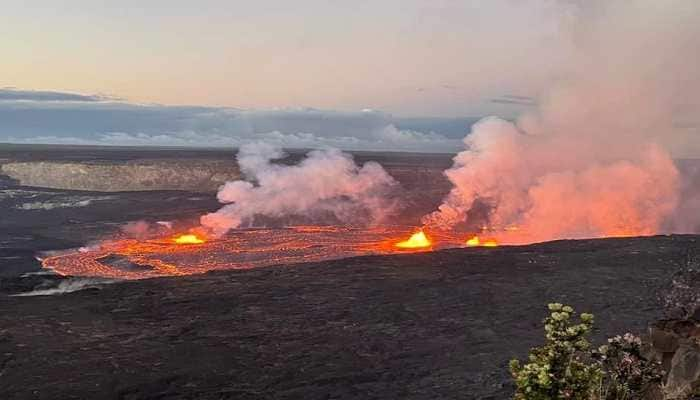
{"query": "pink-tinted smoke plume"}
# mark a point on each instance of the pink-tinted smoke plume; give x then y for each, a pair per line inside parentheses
(325, 183)
(594, 158)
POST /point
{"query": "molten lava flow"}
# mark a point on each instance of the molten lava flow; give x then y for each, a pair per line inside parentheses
(416, 241)
(125, 258)
(188, 239)
(474, 241)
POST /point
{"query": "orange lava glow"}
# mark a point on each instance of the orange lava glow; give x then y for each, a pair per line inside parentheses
(125, 258)
(474, 241)
(417, 241)
(188, 239)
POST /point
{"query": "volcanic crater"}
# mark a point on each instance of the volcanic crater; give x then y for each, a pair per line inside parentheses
(439, 320)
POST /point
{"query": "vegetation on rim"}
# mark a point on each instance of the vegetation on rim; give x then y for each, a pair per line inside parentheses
(567, 367)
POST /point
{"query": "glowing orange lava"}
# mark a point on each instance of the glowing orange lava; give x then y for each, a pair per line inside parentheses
(490, 243)
(416, 241)
(188, 239)
(474, 241)
(127, 258)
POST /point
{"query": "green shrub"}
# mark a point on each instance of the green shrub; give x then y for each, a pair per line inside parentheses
(567, 368)
(628, 374)
(562, 368)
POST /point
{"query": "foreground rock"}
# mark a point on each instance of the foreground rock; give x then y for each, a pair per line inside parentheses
(676, 344)
(423, 326)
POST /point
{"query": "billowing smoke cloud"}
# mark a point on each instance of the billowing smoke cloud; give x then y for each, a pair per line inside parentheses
(327, 183)
(548, 190)
(593, 159)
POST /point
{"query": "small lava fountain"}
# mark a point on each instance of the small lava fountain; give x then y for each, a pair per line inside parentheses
(189, 238)
(475, 241)
(417, 241)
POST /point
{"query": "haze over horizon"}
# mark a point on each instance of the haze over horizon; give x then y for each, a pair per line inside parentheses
(408, 75)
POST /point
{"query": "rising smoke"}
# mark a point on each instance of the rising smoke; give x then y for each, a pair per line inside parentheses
(594, 158)
(327, 183)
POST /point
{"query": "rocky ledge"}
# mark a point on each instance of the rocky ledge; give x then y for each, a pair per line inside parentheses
(132, 175)
(676, 344)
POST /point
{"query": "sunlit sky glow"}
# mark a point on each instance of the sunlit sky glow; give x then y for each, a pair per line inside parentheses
(405, 57)
(364, 74)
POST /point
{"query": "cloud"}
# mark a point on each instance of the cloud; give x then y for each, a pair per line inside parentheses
(40, 117)
(515, 99)
(13, 94)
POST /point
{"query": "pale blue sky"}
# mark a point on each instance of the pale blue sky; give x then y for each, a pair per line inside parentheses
(405, 57)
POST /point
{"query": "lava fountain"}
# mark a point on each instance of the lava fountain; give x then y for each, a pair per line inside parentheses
(475, 241)
(417, 241)
(189, 238)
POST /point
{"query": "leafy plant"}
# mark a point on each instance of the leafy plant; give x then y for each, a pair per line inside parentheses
(566, 367)
(628, 374)
(562, 368)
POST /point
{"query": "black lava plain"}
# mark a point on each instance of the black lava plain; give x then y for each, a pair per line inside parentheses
(438, 325)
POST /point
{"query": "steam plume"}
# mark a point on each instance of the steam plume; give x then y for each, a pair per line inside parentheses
(594, 158)
(327, 182)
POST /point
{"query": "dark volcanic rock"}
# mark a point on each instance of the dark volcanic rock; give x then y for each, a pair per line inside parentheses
(123, 263)
(29, 282)
(436, 325)
(676, 344)
(6, 182)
